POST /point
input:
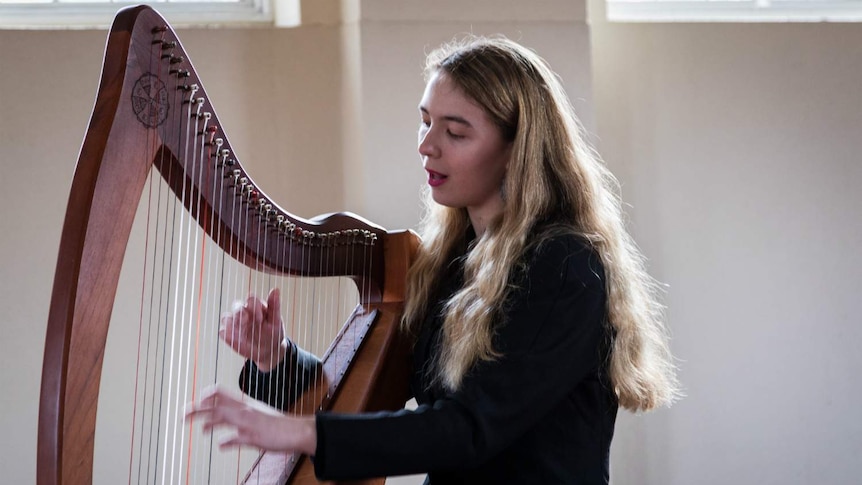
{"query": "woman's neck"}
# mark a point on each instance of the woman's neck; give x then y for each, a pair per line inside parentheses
(480, 218)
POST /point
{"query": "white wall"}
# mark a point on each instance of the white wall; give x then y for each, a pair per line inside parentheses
(738, 146)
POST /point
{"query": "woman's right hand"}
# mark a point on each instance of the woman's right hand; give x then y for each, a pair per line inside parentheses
(251, 423)
(255, 331)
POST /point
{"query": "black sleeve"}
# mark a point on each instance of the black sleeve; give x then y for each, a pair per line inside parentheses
(550, 341)
(281, 386)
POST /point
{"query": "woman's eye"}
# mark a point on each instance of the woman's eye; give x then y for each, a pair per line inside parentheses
(454, 135)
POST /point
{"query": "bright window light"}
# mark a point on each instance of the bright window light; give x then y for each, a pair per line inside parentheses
(734, 10)
(86, 14)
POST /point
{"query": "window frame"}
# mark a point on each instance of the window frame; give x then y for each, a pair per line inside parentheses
(733, 10)
(99, 15)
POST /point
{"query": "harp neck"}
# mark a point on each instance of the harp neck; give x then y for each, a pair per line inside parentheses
(150, 108)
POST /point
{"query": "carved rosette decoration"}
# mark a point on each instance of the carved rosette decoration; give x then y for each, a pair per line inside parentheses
(150, 100)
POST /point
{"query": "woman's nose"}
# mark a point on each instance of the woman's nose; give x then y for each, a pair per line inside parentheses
(427, 146)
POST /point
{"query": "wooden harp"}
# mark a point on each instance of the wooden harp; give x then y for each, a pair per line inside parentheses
(151, 112)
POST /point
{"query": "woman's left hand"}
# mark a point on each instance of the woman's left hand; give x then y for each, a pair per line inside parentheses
(253, 423)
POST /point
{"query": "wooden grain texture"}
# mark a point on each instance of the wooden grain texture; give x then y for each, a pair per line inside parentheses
(122, 145)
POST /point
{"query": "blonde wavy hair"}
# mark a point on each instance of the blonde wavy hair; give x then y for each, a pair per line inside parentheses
(553, 176)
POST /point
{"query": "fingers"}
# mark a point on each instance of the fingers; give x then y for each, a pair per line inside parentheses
(240, 437)
(226, 328)
(231, 321)
(209, 413)
(239, 322)
(212, 400)
(230, 441)
(273, 303)
(254, 329)
(256, 310)
(217, 408)
(244, 422)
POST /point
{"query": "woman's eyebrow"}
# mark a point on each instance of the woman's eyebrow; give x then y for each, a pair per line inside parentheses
(455, 118)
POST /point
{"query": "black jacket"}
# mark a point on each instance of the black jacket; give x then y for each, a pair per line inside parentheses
(543, 413)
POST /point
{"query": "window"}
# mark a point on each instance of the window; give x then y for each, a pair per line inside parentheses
(734, 10)
(72, 14)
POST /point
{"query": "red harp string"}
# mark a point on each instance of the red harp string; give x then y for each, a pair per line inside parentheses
(211, 236)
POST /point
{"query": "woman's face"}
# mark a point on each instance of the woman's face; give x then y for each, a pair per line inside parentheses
(462, 150)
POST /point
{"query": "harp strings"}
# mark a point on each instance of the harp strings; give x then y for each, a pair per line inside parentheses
(148, 422)
(188, 280)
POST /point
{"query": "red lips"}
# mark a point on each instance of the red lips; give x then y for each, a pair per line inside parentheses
(435, 179)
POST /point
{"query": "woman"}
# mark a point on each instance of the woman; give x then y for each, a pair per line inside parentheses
(532, 315)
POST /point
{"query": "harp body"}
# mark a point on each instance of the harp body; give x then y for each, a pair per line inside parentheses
(129, 134)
